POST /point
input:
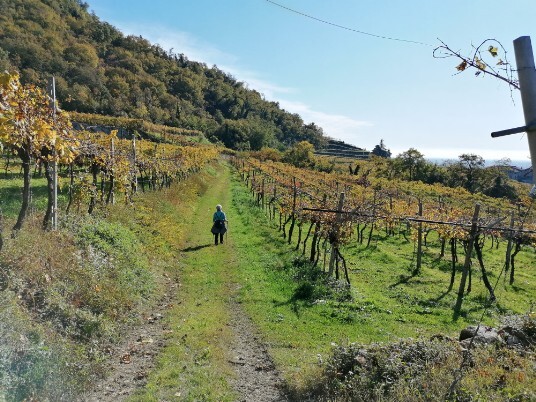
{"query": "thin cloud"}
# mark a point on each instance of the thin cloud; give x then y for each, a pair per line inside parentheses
(337, 126)
(180, 42)
(334, 125)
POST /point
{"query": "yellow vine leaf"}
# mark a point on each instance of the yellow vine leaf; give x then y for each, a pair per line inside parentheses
(493, 51)
(480, 64)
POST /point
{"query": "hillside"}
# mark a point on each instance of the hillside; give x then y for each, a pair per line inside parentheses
(100, 70)
(343, 150)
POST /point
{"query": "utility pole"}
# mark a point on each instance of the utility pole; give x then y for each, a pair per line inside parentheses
(527, 84)
(52, 93)
(526, 72)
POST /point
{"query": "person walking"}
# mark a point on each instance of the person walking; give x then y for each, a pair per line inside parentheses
(218, 224)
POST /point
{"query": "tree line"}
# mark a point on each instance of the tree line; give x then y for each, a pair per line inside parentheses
(101, 71)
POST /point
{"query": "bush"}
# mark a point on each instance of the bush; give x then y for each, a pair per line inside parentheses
(30, 365)
(65, 295)
(411, 370)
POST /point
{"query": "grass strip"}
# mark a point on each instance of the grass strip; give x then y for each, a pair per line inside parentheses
(194, 366)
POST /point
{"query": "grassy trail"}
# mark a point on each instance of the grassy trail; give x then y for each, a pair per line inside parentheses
(207, 356)
(257, 274)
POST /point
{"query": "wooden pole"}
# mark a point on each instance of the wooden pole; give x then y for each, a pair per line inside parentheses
(509, 246)
(262, 193)
(52, 92)
(419, 242)
(467, 264)
(527, 84)
(335, 244)
(112, 178)
(134, 156)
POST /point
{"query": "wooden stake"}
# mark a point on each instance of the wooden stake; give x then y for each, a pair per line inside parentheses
(467, 264)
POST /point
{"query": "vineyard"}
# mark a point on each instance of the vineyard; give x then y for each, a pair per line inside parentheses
(98, 167)
(145, 129)
(334, 209)
(132, 246)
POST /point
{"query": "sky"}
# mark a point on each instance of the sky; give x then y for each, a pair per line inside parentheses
(358, 87)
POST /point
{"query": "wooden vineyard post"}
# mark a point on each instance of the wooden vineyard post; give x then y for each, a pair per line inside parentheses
(419, 242)
(262, 194)
(335, 241)
(512, 256)
(467, 264)
(134, 162)
(274, 202)
(293, 216)
(509, 246)
(314, 244)
(111, 196)
(54, 215)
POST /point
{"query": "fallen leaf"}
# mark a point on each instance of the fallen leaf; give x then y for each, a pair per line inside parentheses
(125, 359)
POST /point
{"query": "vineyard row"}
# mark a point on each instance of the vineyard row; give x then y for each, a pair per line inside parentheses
(350, 204)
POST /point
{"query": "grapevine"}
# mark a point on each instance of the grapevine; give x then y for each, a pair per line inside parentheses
(303, 196)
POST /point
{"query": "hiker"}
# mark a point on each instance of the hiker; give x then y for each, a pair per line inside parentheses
(218, 227)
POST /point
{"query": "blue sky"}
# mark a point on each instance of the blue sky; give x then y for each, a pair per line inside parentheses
(358, 88)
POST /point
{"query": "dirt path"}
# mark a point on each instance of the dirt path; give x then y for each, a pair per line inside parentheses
(257, 378)
(132, 362)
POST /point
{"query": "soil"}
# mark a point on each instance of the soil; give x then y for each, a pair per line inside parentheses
(256, 380)
(131, 361)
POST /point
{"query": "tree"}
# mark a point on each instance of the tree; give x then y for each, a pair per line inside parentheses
(501, 189)
(300, 154)
(234, 134)
(467, 172)
(29, 127)
(411, 162)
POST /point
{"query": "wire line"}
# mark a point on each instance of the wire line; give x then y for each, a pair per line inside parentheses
(347, 28)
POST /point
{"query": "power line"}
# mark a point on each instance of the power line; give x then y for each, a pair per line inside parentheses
(347, 28)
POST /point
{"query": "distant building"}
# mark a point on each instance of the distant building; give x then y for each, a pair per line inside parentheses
(381, 150)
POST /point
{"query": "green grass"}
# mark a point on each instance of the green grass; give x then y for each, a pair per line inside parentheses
(299, 315)
(194, 366)
(388, 301)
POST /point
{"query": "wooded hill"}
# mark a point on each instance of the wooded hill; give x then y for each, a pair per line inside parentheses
(100, 70)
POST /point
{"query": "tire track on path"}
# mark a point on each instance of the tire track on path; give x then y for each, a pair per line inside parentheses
(256, 378)
(204, 347)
